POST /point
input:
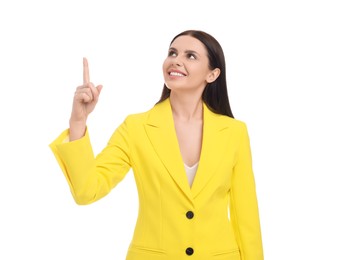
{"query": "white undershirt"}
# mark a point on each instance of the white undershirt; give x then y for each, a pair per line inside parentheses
(191, 171)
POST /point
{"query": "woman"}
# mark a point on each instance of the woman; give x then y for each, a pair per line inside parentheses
(191, 161)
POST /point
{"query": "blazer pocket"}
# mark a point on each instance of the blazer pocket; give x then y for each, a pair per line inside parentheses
(227, 255)
(146, 250)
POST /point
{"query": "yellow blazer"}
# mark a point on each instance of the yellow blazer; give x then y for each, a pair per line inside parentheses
(216, 218)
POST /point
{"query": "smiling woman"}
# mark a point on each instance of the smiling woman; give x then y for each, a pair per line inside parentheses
(191, 161)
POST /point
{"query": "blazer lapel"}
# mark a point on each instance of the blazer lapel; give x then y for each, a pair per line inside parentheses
(215, 137)
(161, 132)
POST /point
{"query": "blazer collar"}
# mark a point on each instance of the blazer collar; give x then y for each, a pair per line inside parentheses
(161, 132)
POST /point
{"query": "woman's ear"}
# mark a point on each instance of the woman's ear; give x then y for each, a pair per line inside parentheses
(213, 75)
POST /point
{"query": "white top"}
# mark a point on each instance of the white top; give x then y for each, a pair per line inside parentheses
(191, 171)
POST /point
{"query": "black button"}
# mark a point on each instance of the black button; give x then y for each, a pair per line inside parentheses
(189, 251)
(189, 214)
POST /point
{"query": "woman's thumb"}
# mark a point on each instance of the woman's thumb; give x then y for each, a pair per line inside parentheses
(99, 89)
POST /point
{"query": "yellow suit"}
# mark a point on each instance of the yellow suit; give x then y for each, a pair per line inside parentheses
(216, 218)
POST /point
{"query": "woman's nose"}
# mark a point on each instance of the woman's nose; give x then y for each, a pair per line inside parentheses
(178, 62)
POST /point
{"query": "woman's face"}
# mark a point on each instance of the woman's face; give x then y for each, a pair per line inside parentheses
(187, 66)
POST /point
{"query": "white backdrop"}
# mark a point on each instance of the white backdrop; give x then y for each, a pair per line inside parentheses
(283, 70)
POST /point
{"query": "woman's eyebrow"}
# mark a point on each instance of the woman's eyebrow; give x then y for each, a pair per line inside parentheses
(186, 51)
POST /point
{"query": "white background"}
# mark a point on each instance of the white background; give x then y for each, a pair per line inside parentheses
(283, 71)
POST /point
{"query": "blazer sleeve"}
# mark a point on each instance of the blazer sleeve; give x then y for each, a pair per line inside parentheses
(244, 206)
(91, 178)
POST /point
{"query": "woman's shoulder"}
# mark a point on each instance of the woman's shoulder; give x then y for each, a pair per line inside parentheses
(224, 120)
(236, 125)
(138, 117)
(235, 122)
(156, 112)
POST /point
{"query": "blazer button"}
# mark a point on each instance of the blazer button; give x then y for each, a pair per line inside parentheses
(189, 214)
(189, 251)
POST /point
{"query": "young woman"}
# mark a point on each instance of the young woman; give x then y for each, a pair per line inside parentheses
(190, 158)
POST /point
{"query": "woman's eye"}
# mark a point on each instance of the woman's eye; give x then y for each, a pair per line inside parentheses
(191, 56)
(172, 53)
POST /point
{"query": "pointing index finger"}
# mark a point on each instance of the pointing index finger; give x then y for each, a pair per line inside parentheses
(86, 75)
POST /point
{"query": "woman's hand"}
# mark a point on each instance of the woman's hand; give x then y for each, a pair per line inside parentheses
(84, 102)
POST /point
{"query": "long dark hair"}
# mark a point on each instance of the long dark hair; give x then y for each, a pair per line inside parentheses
(215, 94)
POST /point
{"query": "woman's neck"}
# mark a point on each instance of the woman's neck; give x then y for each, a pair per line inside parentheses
(186, 107)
